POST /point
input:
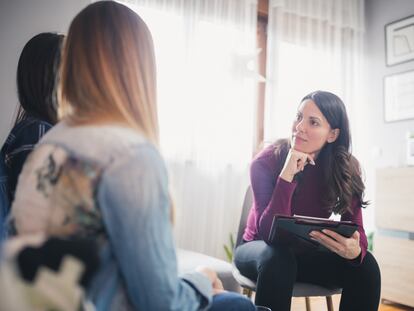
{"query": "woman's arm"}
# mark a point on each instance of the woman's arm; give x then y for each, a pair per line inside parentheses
(272, 195)
(134, 200)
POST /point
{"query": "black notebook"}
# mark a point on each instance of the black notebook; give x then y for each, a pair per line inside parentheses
(293, 231)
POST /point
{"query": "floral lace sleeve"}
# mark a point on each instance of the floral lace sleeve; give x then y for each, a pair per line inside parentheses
(56, 195)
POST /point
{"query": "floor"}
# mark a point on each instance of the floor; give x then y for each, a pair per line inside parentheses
(319, 304)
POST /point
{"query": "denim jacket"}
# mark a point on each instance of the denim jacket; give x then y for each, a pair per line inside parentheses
(110, 184)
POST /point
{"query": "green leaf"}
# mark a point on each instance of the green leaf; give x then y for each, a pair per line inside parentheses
(370, 238)
(232, 241)
(229, 248)
(229, 253)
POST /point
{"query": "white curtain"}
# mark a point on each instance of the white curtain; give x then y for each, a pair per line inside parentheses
(312, 45)
(207, 79)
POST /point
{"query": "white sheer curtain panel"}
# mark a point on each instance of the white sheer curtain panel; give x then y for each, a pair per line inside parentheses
(207, 80)
(312, 45)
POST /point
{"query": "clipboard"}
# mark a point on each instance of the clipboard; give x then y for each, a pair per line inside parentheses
(293, 231)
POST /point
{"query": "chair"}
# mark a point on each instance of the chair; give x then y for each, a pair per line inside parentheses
(299, 290)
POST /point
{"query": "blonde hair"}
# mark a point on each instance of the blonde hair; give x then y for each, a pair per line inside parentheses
(108, 69)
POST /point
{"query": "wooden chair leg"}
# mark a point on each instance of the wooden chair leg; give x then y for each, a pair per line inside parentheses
(308, 306)
(329, 303)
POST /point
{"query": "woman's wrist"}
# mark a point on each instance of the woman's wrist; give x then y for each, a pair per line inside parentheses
(286, 176)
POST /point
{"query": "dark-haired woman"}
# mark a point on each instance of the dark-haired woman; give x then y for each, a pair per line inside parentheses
(312, 174)
(37, 113)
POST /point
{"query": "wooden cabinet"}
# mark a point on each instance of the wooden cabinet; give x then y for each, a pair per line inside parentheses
(396, 259)
(394, 243)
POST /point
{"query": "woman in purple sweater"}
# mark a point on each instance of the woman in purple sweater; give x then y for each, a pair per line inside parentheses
(313, 174)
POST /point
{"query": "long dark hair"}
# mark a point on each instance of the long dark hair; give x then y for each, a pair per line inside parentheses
(37, 77)
(341, 170)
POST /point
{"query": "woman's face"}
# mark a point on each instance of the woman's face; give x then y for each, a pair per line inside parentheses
(310, 130)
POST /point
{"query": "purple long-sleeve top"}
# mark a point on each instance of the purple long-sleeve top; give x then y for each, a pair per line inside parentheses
(273, 195)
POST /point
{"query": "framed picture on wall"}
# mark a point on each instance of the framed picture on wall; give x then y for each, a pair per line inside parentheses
(399, 41)
(399, 96)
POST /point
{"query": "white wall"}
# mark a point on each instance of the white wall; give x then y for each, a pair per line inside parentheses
(19, 21)
(380, 144)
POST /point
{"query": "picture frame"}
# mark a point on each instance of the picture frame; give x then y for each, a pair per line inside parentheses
(399, 41)
(399, 96)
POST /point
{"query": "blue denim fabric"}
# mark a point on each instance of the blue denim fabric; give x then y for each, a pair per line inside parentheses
(231, 302)
(134, 201)
(135, 205)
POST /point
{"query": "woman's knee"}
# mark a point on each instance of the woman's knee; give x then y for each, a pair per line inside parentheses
(277, 259)
(258, 258)
(367, 274)
(370, 269)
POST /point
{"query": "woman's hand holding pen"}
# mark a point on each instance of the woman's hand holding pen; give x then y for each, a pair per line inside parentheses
(348, 248)
(295, 163)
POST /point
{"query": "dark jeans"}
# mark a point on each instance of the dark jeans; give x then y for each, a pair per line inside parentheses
(231, 302)
(276, 269)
